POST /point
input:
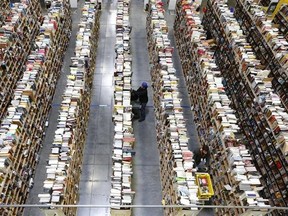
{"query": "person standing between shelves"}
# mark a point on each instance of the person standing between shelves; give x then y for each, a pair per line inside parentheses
(201, 157)
(143, 99)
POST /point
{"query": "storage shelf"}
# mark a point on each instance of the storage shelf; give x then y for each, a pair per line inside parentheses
(4, 11)
(266, 44)
(265, 3)
(281, 21)
(17, 35)
(65, 160)
(176, 160)
(253, 113)
(22, 129)
(217, 124)
(122, 192)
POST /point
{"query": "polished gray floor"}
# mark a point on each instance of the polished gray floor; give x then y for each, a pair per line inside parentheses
(95, 178)
(146, 179)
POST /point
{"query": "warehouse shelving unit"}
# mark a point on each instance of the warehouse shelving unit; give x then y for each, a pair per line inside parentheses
(269, 46)
(122, 192)
(281, 21)
(245, 77)
(21, 130)
(235, 178)
(17, 35)
(178, 177)
(65, 160)
(4, 11)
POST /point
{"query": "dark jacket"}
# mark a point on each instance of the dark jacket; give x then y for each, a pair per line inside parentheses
(142, 94)
(198, 155)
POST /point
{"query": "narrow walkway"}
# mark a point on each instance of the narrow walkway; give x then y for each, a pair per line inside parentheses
(95, 179)
(146, 179)
(194, 143)
(191, 128)
(40, 175)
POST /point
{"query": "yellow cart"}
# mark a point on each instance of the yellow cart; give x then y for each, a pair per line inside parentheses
(205, 187)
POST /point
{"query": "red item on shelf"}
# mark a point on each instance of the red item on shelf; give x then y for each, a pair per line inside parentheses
(278, 164)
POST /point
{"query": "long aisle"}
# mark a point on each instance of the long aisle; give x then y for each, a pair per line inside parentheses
(194, 143)
(40, 175)
(95, 178)
(191, 127)
(146, 178)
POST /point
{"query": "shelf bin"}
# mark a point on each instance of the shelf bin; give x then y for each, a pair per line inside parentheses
(204, 180)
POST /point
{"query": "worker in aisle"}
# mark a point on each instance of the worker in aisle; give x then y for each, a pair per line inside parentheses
(201, 158)
(142, 95)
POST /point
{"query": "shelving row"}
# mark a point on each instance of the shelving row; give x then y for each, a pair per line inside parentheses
(265, 3)
(4, 11)
(259, 82)
(65, 160)
(121, 180)
(281, 21)
(17, 35)
(236, 180)
(269, 45)
(261, 115)
(22, 129)
(178, 177)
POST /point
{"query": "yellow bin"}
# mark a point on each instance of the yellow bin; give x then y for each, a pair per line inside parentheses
(205, 187)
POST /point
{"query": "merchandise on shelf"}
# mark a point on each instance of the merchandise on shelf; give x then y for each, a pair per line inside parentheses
(281, 21)
(22, 129)
(65, 160)
(265, 3)
(268, 44)
(216, 122)
(262, 117)
(178, 177)
(4, 10)
(17, 33)
(121, 182)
